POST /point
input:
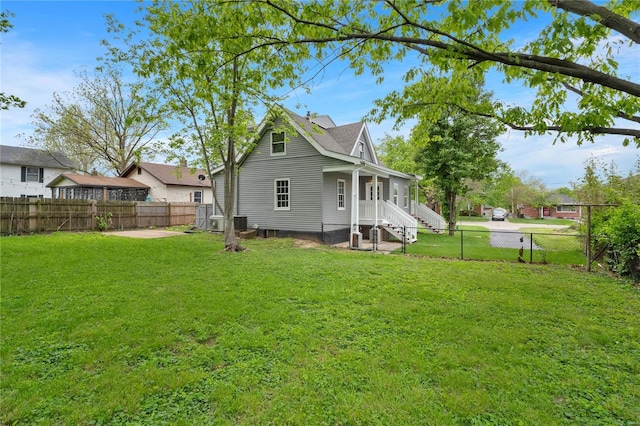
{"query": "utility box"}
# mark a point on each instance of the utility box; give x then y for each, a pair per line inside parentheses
(216, 223)
(240, 223)
(356, 240)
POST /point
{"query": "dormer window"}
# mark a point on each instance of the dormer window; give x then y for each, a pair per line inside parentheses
(278, 145)
(361, 148)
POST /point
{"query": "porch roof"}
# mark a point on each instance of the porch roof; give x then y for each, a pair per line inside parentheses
(369, 169)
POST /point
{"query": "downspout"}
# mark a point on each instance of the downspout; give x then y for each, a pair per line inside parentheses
(237, 192)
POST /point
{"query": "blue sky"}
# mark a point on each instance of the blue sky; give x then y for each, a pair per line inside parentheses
(52, 39)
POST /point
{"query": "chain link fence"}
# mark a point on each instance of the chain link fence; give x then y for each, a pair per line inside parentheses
(542, 247)
(514, 246)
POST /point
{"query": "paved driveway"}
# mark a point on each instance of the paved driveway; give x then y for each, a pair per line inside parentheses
(506, 234)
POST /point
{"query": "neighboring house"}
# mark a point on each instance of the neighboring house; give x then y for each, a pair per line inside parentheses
(559, 206)
(24, 171)
(309, 178)
(171, 183)
(92, 187)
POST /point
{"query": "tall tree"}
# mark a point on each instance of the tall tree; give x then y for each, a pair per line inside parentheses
(191, 52)
(603, 184)
(498, 191)
(104, 123)
(6, 100)
(572, 64)
(457, 148)
(400, 154)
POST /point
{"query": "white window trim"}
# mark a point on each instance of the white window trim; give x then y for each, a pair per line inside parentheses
(201, 196)
(405, 196)
(284, 144)
(275, 194)
(344, 194)
(395, 193)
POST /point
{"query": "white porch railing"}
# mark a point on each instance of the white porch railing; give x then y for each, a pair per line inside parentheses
(428, 216)
(390, 214)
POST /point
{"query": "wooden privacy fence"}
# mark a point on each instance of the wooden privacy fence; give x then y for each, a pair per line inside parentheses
(23, 215)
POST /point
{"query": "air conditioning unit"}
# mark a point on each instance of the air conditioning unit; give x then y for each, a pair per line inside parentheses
(216, 223)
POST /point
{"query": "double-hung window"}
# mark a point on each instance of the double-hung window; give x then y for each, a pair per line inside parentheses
(197, 196)
(32, 174)
(341, 194)
(281, 189)
(278, 144)
(405, 196)
(395, 194)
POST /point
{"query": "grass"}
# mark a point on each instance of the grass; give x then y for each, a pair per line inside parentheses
(567, 222)
(554, 246)
(108, 330)
(472, 219)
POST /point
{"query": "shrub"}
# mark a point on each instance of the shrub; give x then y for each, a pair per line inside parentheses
(623, 230)
(104, 222)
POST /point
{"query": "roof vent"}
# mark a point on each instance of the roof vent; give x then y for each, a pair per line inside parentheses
(308, 115)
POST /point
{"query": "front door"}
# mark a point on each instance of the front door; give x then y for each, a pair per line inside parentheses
(369, 191)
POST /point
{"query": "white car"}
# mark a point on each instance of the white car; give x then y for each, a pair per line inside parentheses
(499, 214)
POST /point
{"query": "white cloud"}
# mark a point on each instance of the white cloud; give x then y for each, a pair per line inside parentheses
(560, 164)
(31, 74)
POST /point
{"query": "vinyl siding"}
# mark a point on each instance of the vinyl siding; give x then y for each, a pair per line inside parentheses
(218, 181)
(401, 184)
(11, 185)
(368, 155)
(302, 165)
(331, 216)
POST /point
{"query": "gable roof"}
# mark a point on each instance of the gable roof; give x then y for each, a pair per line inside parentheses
(339, 139)
(34, 157)
(172, 175)
(97, 181)
(347, 136)
(339, 142)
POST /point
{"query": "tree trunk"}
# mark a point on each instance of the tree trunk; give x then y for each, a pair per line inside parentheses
(230, 171)
(230, 240)
(451, 203)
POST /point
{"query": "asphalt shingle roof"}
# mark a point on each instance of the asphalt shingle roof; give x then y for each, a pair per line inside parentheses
(34, 157)
(172, 175)
(340, 139)
(100, 181)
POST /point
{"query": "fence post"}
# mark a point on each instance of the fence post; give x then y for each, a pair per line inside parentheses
(461, 244)
(589, 238)
(531, 248)
(404, 239)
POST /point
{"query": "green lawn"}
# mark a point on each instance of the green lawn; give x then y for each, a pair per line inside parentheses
(108, 330)
(554, 246)
(473, 219)
(567, 222)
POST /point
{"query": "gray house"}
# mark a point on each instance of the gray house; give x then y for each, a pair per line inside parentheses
(307, 177)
